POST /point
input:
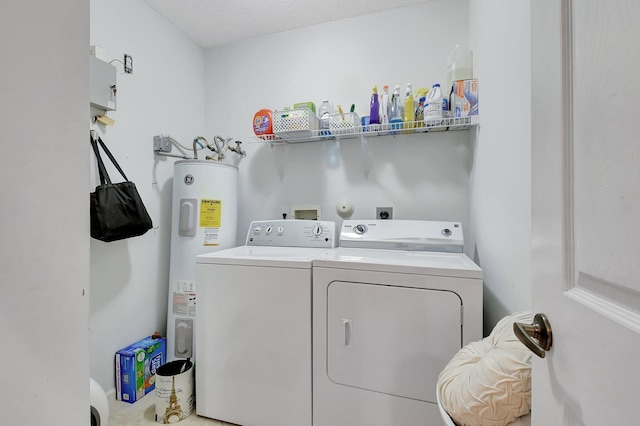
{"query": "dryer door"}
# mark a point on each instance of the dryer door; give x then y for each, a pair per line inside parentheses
(393, 340)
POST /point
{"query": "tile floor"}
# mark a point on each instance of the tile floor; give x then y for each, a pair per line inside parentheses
(143, 412)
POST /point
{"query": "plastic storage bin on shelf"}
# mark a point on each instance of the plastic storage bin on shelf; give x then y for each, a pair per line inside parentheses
(346, 123)
(295, 124)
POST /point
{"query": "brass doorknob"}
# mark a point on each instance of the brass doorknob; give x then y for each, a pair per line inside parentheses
(539, 330)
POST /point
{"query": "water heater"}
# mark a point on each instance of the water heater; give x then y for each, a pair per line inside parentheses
(204, 218)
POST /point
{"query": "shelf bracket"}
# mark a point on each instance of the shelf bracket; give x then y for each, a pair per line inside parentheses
(278, 151)
(366, 162)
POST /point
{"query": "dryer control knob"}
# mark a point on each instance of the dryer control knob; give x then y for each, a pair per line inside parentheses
(317, 230)
(257, 230)
(268, 230)
(446, 232)
(280, 230)
(360, 229)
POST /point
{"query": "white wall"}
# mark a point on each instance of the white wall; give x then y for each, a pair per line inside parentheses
(129, 278)
(44, 215)
(482, 180)
(421, 176)
(501, 190)
(176, 89)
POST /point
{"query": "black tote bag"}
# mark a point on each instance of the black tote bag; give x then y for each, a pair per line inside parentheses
(117, 211)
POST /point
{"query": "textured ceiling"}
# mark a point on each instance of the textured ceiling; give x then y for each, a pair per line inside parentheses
(214, 22)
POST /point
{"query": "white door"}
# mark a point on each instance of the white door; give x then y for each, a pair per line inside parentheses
(586, 210)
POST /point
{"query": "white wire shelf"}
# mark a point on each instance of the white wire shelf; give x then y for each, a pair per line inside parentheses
(412, 127)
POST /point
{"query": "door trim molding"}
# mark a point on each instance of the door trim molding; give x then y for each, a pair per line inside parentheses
(595, 302)
(567, 138)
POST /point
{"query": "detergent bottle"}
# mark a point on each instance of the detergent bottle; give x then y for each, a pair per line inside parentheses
(433, 111)
(421, 95)
(459, 65)
(374, 111)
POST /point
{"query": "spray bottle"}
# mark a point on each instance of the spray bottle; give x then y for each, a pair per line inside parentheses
(395, 114)
(385, 105)
(420, 112)
(409, 107)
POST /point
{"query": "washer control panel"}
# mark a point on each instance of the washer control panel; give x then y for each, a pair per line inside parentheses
(415, 235)
(292, 233)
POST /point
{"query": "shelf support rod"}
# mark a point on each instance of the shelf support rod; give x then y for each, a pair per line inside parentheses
(278, 151)
(366, 163)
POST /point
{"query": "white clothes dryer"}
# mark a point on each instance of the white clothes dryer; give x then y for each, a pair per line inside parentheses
(254, 325)
(391, 306)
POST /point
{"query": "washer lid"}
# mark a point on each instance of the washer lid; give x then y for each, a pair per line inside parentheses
(399, 261)
(282, 257)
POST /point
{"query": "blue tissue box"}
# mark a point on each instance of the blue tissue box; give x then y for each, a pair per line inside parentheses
(136, 367)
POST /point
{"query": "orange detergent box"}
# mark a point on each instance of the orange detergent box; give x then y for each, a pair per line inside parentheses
(263, 123)
(464, 98)
(136, 367)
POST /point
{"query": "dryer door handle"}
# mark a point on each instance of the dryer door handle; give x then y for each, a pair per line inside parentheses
(347, 331)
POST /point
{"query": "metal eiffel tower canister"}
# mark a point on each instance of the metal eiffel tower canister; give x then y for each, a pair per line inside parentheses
(175, 400)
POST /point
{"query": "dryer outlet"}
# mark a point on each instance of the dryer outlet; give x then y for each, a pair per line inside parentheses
(384, 213)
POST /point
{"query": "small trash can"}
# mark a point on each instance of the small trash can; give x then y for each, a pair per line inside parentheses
(174, 391)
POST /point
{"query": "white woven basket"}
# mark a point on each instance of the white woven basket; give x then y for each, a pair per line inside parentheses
(295, 123)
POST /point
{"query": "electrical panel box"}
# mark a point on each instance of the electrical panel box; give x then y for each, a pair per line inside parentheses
(102, 93)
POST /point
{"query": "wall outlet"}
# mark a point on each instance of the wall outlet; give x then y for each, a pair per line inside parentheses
(128, 64)
(384, 213)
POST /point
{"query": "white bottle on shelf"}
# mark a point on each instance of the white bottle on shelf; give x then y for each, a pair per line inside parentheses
(325, 117)
(459, 65)
(433, 108)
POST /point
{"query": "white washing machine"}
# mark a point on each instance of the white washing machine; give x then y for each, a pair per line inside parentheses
(391, 306)
(254, 325)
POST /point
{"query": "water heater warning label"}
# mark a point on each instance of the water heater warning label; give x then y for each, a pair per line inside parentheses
(211, 237)
(210, 212)
(184, 298)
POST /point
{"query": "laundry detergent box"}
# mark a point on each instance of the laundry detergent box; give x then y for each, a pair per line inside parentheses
(464, 98)
(136, 367)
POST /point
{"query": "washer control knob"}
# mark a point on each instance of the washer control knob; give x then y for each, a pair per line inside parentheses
(280, 230)
(269, 229)
(360, 229)
(446, 232)
(317, 230)
(257, 229)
